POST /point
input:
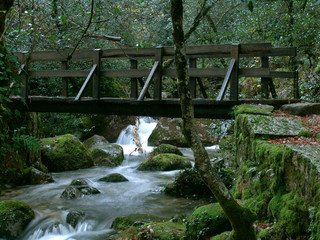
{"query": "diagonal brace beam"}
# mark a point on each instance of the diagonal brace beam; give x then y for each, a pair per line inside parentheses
(226, 80)
(85, 84)
(148, 82)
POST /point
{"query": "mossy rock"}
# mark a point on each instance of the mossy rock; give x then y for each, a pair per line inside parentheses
(207, 221)
(74, 217)
(109, 155)
(254, 109)
(222, 236)
(77, 189)
(188, 184)
(166, 148)
(95, 141)
(14, 218)
(137, 220)
(164, 162)
(290, 209)
(272, 233)
(162, 231)
(114, 177)
(168, 131)
(64, 153)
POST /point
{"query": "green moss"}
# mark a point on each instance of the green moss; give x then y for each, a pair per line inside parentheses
(114, 177)
(188, 184)
(65, 153)
(253, 109)
(290, 209)
(222, 236)
(162, 231)
(164, 162)
(206, 221)
(14, 218)
(137, 220)
(166, 148)
(306, 134)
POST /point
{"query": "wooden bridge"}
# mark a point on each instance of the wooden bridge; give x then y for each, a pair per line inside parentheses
(145, 97)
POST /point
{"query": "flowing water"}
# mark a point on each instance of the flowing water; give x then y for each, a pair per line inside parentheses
(141, 194)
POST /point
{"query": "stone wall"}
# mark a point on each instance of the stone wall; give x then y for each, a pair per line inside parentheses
(279, 182)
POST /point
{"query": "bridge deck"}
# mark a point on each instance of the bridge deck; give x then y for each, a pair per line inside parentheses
(204, 108)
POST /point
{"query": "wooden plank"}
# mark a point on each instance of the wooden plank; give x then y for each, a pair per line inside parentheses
(193, 80)
(134, 73)
(202, 88)
(58, 73)
(234, 79)
(198, 72)
(140, 80)
(264, 80)
(64, 66)
(255, 48)
(148, 82)
(157, 85)
(61, 55)
(226, 80)
(96, 74)
(254, 72)
(128, 53)
(85, 84)
(134, 81)
(283, 74)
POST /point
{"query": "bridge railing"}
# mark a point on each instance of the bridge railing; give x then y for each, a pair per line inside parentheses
(155, 75)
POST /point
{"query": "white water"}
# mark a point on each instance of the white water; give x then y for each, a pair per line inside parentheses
(141, 194)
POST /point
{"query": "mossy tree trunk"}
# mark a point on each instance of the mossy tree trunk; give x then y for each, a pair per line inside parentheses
(240, 218)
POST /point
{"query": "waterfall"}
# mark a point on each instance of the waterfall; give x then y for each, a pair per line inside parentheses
(146, 126)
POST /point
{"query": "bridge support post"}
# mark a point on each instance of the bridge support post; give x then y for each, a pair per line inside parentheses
(193, 80)
(234, 83)
(96, 76)
(134, 81)
(157, 87)
(24, 76)
(65, 80)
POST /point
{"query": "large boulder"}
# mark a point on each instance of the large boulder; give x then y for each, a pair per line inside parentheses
(109, 127)
(168, 131)
(14, 218)
(302, 109)
(35, 177)
(65, 153)
(207, 221)
(95, 141)
(109, 155)
(164, 162)
(188, 184)
(166, 148)
(77, 189)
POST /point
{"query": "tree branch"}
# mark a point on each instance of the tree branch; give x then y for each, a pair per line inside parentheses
(84, 32)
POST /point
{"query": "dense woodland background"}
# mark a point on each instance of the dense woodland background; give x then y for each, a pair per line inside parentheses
(36, 25)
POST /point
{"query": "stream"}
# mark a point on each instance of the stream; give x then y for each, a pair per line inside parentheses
(141, 194)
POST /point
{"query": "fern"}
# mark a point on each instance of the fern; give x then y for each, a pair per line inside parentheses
(28, 141)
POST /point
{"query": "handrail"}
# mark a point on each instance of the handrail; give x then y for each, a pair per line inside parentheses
(231, 74)
(85, 84)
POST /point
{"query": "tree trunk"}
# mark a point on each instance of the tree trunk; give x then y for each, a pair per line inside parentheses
(5, 5)
(240, 218)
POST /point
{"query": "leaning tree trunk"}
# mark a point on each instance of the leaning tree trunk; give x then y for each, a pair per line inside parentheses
(241, 219)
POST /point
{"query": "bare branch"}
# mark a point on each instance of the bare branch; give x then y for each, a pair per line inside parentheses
(84, 32)
(107, 37)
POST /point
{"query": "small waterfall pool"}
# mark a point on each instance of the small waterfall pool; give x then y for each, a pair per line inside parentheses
(141, 194)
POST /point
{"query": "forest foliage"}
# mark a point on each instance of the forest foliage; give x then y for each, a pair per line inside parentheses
(36, 25)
